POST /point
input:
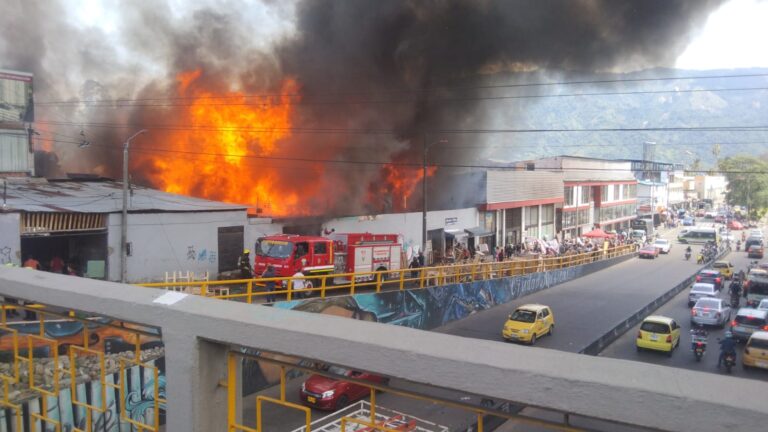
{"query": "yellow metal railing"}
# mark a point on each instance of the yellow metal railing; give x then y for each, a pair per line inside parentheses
(234, 374)
(248, 290)
(75, 348)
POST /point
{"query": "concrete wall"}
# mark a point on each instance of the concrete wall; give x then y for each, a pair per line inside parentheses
(167, 242)
(406, 224)
(10, 239)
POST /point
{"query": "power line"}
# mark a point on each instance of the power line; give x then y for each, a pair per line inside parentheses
(417, 165)
(374, 131)
(413, 91)
(432, 100)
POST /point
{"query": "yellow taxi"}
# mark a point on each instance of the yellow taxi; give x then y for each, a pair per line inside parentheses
(658, 333)
(725, 268)
(529, 322)
(756, 351)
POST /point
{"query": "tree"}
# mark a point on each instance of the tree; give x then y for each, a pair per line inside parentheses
(747, 182)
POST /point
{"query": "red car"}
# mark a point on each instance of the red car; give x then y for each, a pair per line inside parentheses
(331, 394)
(735, 225)
(649, 251)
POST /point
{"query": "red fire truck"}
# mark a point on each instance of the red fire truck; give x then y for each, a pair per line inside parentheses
(337, 253)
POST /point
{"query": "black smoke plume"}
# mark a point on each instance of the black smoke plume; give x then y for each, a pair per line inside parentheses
(407, 70)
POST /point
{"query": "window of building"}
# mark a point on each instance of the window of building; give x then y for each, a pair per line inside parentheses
(548, 221)
(569, 196)
(532, 221)
(604, 193)
(586, 195)
(619, 192)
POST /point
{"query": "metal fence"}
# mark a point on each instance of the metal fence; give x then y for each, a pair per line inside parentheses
(254, 290)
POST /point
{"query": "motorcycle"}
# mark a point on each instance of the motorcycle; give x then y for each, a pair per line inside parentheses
(698, 343)
(700, 259)
(730, 361)
(687, 256)
(738, 246)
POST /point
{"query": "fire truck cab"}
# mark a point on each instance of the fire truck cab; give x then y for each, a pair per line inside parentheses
(289, 254)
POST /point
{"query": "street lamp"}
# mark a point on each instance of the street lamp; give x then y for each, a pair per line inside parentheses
(124, 224)
(424, 193)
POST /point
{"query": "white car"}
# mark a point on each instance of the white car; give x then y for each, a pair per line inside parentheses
(700, 290)
(763, 304)
(663, 245)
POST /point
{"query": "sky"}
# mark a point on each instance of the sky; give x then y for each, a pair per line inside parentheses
(735, 36)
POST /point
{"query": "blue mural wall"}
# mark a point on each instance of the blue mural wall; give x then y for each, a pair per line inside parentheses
(430, 308)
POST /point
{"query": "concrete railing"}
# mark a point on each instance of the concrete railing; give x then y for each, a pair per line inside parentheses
(200, 334)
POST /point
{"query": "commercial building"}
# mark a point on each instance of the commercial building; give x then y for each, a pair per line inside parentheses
(79, 220)
(596, 192)
(16, 115)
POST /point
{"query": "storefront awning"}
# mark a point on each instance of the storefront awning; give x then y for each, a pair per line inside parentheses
(478, 232)
(455, 234)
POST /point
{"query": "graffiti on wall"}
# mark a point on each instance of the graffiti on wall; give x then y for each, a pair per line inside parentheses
(5, 255)
(426, 309)
(203, 256)
(139, 401)
(139, 404)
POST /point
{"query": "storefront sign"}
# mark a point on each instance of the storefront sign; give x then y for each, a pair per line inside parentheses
(451, 221)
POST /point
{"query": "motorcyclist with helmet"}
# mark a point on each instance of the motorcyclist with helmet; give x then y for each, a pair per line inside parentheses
(727, 346)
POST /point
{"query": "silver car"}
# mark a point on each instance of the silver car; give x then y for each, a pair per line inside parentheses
(748, 321)
(711, 311)
(699, 290)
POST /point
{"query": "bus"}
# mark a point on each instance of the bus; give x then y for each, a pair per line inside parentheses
(699, 236)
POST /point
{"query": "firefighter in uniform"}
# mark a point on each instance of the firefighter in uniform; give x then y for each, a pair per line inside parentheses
(244, 264)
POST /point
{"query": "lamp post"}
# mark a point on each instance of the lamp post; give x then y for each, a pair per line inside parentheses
(124, 223)
(424, 193)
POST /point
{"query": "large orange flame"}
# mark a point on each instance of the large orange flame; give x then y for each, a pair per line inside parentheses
(223, 150)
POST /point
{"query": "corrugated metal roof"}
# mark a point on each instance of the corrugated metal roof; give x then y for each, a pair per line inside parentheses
(105, 196)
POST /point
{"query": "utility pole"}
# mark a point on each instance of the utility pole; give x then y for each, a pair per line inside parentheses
(424, 195)
(124, 223)
(424, 192)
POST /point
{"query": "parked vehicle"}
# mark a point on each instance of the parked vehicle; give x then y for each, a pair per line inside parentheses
(337, 253)
(689, 221)
(327, 393)
(748, 321)
(735, 225)
(756, 351)
(763, 305)
(529, 322)
(699, 290)
(658, 333)
(710, 311)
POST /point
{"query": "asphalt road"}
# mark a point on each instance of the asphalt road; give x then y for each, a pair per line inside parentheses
(677, 308)
(587, 307)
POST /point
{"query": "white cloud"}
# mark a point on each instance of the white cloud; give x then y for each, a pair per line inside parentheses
(734, 36)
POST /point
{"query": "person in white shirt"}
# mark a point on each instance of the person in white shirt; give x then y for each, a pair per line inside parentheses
(299, 285)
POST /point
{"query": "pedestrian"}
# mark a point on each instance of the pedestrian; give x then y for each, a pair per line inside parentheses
(500, 254)
(70, 269)
(299, 284)
(414, 265)
(270, 285)
(32, 263)
(421, 259)
(57, 264)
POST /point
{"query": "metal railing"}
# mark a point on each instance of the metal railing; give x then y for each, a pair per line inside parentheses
(347, 421)
(54, 347)
(250, 290)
